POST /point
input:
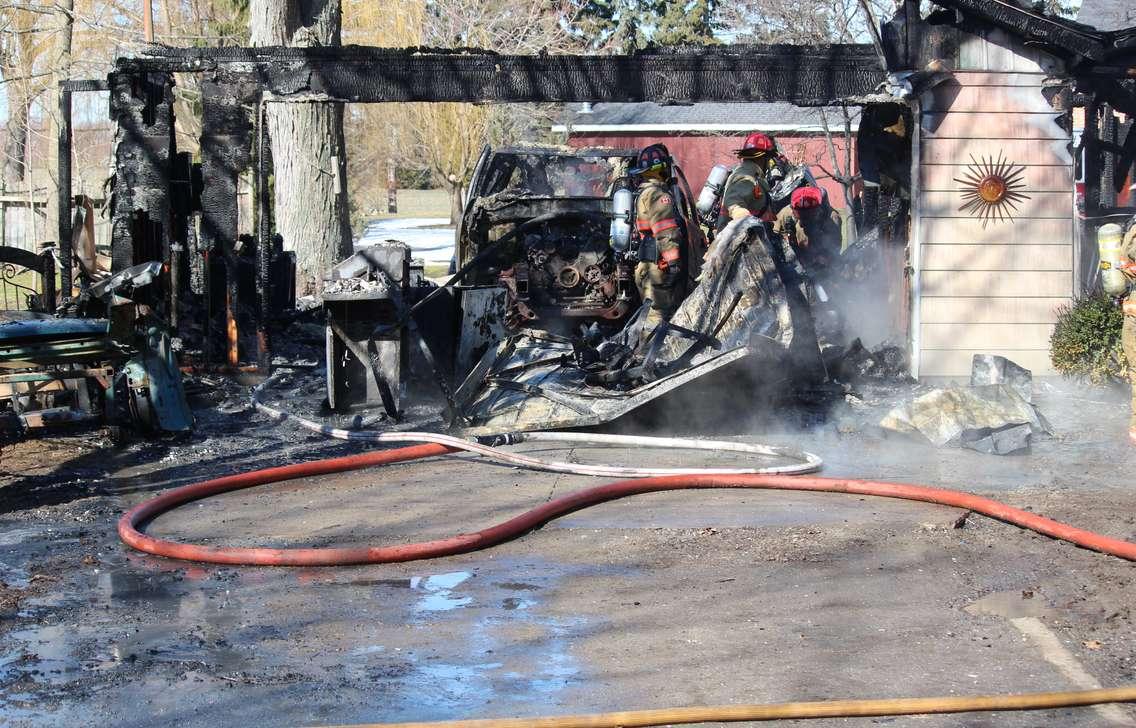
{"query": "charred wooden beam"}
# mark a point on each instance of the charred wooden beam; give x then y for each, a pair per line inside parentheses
(804, 75)
(1063, 38)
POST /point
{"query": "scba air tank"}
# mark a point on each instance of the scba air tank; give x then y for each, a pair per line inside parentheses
(1109, 239)
(712, 190)
(621, 204)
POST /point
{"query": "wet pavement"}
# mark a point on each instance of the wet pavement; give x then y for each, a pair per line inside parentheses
(661, 600)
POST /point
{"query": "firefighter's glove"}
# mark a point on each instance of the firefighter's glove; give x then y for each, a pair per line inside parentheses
(670, 266)
(1129, 269)
(737, 212)
(671, 275)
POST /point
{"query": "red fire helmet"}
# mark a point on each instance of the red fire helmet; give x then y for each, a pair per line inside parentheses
(756, 143)
(806, 198)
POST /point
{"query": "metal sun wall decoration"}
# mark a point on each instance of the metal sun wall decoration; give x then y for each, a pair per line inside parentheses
(991, 188)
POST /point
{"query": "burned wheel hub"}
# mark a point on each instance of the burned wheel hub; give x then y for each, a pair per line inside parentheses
(568, 277)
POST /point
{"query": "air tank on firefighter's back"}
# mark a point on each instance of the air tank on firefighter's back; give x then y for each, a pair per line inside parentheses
(621, 203)
(1109, 239)
(712, 190)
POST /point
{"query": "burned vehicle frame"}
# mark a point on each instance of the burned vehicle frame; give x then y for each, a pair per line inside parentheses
(562, 265)
(543, 217)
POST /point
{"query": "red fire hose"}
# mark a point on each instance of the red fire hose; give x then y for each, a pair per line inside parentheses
(132, 520)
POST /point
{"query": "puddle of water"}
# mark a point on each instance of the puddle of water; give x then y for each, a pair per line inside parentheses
(1011, 605)
(165, 644)
(517, 586)
(151, 589)
(16, 536)
(50, 650)
(14, 576)
(437, 690)
(439, 588)
(555, 673)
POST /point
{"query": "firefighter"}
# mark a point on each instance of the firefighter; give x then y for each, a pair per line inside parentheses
(812, 227)
(659, 273)
(1128, 333)
(746, 191)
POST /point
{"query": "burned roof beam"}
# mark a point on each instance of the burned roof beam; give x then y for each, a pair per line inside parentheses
(804, 75)
(1063, 38)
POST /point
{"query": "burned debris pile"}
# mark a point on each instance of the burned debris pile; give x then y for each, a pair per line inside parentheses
(115, 364)
(748, 309)
(994, 415)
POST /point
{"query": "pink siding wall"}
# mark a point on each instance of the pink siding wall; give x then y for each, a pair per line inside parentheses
(697, 154)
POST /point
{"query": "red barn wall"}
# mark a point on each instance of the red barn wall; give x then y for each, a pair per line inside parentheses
(696, 154)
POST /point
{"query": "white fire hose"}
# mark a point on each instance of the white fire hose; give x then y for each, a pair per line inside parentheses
(804, 462)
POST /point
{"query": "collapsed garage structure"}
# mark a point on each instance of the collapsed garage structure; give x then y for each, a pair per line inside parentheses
(952, 202)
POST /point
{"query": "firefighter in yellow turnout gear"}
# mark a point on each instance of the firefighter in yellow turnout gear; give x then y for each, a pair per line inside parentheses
(1128, 333)
(659, 273)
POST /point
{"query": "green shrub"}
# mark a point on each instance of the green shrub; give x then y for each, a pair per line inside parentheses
(1086, 341)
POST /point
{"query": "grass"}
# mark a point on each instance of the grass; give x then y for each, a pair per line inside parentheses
(419, 203)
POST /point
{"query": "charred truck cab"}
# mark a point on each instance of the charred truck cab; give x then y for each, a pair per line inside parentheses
(542, 218)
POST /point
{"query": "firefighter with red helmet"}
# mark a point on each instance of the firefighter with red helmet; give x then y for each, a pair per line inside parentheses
(746, 192)
(659, 273)
(812, 227)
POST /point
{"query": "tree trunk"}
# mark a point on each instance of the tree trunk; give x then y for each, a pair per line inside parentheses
(16, 144)
(454, 187)
(311, 210)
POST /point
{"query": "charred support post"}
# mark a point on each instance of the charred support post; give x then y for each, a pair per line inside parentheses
(226, 134)
(1090, 141)
(63, 198)
(1108, 135)
(142, 106)
(264, 246)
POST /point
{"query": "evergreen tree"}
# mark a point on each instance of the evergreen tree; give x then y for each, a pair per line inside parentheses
(686, 23)
(623, 26)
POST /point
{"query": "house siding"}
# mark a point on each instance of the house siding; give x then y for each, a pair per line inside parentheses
(992, 289)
